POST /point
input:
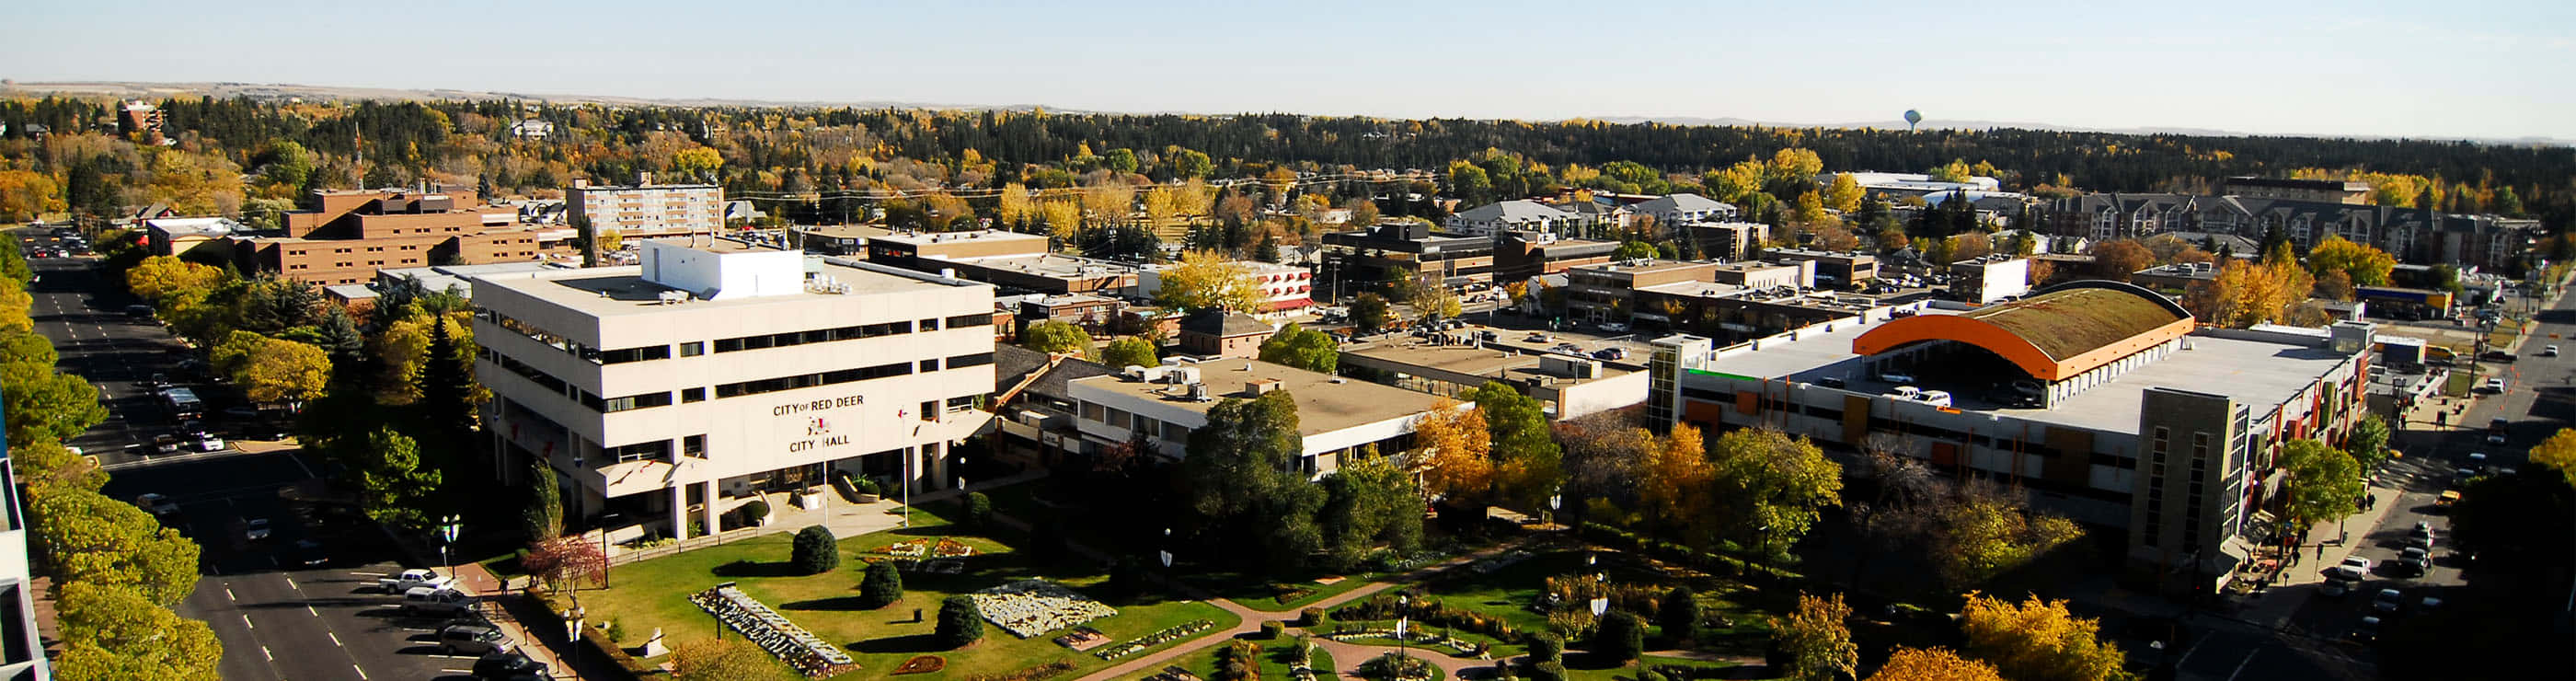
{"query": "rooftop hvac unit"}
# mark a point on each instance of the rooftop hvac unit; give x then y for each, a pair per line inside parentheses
(1199, 392)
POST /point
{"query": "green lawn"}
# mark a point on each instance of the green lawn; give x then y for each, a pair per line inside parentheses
(2461, 382)
(1263, 593)
(1274, 662)
(1507, 592)
(654, 593)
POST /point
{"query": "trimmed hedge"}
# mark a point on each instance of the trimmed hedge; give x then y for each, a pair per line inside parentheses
(815, 551)
(960, 624)
(882, 586)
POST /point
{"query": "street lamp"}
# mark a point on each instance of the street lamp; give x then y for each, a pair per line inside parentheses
(447, 530)
(604, 521)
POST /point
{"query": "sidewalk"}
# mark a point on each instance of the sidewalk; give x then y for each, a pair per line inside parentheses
(2298, 583)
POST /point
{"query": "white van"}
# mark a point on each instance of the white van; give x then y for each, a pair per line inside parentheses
(1937, 398)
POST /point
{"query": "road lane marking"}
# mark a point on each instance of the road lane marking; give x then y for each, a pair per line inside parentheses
(362, 672)
(335, 639)
(228, 595)
(2240, 666)
(246, 622)
(290, 583)
(263, 652)
(309, 609)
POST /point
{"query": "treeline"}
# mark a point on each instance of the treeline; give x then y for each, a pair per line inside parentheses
(796, 149)
(116, 569)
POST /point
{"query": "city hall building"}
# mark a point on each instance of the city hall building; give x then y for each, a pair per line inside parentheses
(707, 376)
(2103, 401)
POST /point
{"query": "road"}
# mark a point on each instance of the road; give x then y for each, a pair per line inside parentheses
(278, 620)
(85, 319)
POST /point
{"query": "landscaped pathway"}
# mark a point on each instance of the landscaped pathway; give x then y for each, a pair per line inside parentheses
(1347, 655)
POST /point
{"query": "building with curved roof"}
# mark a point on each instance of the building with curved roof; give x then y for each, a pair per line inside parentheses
(2056, 335)
(2100, 400)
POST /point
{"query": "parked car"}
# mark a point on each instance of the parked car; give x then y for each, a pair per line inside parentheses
(165, 443)
(255, 529)
(1897, 377)
(1610, 353)
(2367, 631)
(2495, 385)
(1614, 327)
(307, 553)
(508, 665)
(2414, 562)
(2336, 587)
(2550, 351)
(1535, 338)
(473, 639)
(2388, 601)
(157, 503)
(2355, 567)
(410, 579)
(439, 602)
(209, 442)
(1830, 382)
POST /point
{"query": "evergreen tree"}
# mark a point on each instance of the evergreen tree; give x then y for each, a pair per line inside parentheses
(545, 502)
(446, 386)
(881, 587)
(1679, 615)
(1269, 251)
(960, 624)
(340, 338)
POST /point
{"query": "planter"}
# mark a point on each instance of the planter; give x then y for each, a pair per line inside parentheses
(808, 500)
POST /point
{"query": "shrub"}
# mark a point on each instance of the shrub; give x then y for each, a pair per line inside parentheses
(959, 623)
(979, 511)
(1680, 615)
(1546, 647)
(1273, 629)
(881, 587)
(1622, 637)
(1550, 670)
(755, 510)
(815, 551)
(1312, 618)
(617, 629)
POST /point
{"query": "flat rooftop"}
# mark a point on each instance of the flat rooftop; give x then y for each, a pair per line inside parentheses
(1646, 268)
(1325, 403)
(1490, 361)
(845, 231)
(1050, 265)
(611, 291)
(917, 238)
(2258, 373)
(1695, 289)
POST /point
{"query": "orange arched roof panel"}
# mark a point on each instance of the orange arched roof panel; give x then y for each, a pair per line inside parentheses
(2054, 335)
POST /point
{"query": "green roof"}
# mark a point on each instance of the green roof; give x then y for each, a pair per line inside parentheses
(2070, 322)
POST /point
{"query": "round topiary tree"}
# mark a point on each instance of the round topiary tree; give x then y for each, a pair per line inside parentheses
(979, 511)
(815, 550)
(1549, 670)
(1622, 637)
(960, 624)
(1679, 615)
(1546, 647)
(753, 511)
(881, 587)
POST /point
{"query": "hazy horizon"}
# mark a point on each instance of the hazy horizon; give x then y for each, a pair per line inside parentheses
(2370, 69)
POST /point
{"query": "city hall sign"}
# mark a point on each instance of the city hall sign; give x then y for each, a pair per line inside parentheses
(818, 426)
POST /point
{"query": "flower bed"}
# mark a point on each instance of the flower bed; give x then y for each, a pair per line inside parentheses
(1418, 637)
(1154, 639)
(808, 654)
(1032, 607)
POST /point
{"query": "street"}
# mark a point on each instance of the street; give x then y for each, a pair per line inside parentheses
(85, 318)
(278, 619)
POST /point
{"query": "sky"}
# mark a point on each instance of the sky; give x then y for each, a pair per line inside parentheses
(2489, 69)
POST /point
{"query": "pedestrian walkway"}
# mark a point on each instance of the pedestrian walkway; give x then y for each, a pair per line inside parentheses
(2297, 583)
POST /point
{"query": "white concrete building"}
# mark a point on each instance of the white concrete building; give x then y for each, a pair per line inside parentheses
(1283, 287)
(1673, 210)
(647, 209)
(1517, 215)
(1338, 417)
(702, 378)
(22, 651)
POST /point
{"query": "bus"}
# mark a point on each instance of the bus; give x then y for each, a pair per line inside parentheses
(184, 403)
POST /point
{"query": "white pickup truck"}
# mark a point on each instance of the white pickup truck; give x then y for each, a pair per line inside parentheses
(411, 579)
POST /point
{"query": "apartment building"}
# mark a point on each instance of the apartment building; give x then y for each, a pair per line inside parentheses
(1671, 210)
(704, 378)
(1517, 215)
(1833, 270)
(2323, 191)
(645, 209)
(2412, 235)
(1282, 286)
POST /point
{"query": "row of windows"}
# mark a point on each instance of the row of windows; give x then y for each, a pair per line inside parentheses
(771, 385)
(780, 340)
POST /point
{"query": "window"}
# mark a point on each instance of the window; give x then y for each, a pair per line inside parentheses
(974, 360)
(929, 365)
(776, 340)
(1092, 411)
(930, 325)
(693, 348)
(641, 451)
(985, 319)
(639, 354)
(694, 446)
(633, 402)
(1117, 418)
(693, 394)
(772, 385)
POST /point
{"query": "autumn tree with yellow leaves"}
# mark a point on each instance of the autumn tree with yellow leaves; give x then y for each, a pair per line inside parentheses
(2365, 265)
(1933, 664)
(1205, 280)
(2039, 640)
(2245, 294)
